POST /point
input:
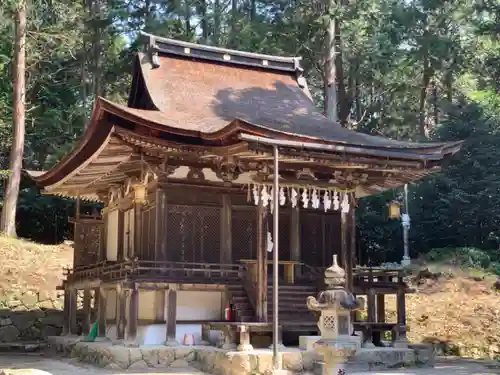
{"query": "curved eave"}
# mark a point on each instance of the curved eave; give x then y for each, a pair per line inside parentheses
(100, 129)
(155, 120)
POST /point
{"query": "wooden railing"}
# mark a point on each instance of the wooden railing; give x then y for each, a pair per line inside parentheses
(156, 270)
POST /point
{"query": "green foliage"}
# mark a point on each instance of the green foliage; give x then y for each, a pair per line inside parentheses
(80, 50)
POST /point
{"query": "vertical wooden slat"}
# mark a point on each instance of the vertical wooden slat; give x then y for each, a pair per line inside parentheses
(261, 252)
(73, 327)
(226, 230)
(295, 234)
(121, 235)
(159, 215)
(136, 251)
(102, 305)
(380, 308)
(66, 311)
(401, 310)
(86, 311)
(164, 225)
(121, 303)
(133, 313)
(171, 316)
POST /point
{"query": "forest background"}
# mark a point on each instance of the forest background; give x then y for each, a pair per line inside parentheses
(417, 69)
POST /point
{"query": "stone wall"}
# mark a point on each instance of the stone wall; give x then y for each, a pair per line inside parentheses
(28, 317)
(205, 358)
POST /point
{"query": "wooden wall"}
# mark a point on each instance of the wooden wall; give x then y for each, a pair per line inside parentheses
(191, 229)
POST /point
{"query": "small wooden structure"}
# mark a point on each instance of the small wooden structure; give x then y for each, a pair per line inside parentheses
(185, 182)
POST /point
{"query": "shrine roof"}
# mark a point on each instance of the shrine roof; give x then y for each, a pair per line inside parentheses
(213, 98)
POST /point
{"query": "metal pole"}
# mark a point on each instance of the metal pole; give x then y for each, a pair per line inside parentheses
(406, 228)
(276, 205)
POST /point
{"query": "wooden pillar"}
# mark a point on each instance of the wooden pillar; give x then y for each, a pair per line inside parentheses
(133, 313)
(344, 238)
(261, 251)
(371, 309)
(159, 217)
(380, 308)
(121, 305)
(86, 311)
(102, 306)
(162, 224)
(226, 231)
(66, 312)
(73, 326)
(401, 312)
(295, 237)
(137, 248)
(171, 316)
(121, 235)
(352, 248)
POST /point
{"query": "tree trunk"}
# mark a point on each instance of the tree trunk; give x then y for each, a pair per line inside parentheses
(330, 75)
(8, 220)
(217, 22)
(427, 75)
(204, 21)
(97, 47)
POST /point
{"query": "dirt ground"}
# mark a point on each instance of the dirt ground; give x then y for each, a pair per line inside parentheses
(55, 366)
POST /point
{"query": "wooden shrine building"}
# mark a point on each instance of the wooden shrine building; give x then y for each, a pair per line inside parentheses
(186, 184)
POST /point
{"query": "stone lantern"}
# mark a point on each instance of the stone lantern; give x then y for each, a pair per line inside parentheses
(335, 304)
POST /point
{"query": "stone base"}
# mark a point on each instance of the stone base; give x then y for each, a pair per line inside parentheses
(205, 358)
(367, 359)
(223, 362)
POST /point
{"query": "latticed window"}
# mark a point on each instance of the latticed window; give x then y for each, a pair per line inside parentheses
(88, 242)
(193, 233)
(244, 228)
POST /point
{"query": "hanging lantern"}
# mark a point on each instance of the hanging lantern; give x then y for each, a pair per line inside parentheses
(140, 194)
(394, 210)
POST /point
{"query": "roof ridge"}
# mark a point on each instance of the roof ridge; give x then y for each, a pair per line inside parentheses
(230, 56)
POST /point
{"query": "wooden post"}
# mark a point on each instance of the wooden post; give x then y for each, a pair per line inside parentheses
(401, 315)
(371, 309)
(171, 317)
(73, 326)
(380, 308)
(226, 230)
(86, 311)
(261, 290)
(121, 236)
(344, 246)
(133, 313)
(163, 224)
(159, 216)
(103, 302)
(121, 303)
(295, 237)
(66, 311)
(137, 231)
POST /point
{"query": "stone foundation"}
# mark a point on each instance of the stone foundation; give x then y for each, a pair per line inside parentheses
(205, 358)
(222, 362)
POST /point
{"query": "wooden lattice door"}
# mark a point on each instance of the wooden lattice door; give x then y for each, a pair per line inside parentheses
(193, 233)
(88, 242)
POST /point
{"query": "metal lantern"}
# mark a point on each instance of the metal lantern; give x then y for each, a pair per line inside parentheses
(394, 210)
(140, 194)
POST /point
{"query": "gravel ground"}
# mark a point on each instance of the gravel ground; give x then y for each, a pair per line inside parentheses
(56, 366)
